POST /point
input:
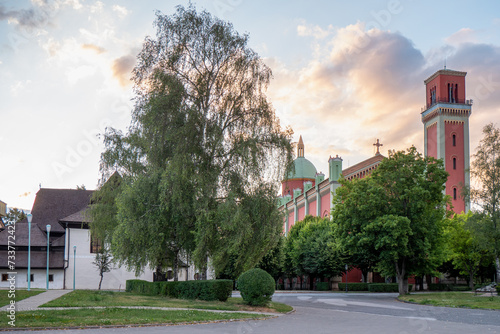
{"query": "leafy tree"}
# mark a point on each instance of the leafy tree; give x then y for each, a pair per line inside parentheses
(103, 261)
(273, 261)
(14, 215)
(467, 252)
(397, 213)
(203, 130)
(485, 169)
(312, 249)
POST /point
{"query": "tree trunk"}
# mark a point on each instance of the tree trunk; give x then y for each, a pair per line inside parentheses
(471, 279)
(497, 267)
(364, 275)
(402, 280)
(176, 266)
(102, 276)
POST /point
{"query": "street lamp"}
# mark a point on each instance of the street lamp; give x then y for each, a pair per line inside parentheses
(48, 235)
(74, 266)
(30, 217)
(346, 267)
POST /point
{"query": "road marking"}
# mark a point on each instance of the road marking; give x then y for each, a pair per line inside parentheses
(343, 302)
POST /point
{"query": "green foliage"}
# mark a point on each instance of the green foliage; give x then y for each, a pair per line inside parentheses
(14, 215)
(395, 215)
(203, 154)
(273, 261)
(311, 249)
(256, 287)
(386, 287)
(322, 286)
(103, 261)
(467, 251)
(202, 290)
(448, 287)
(354, 286)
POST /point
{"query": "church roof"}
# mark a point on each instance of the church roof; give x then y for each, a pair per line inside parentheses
(303, 169)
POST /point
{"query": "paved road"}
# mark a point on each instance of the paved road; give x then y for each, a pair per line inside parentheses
(341, 313)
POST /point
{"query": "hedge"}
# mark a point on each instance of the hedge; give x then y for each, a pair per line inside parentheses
(204, 290)
(354, 286)
(386, 287)
(322, 286)
(448, 287)
(498, 290)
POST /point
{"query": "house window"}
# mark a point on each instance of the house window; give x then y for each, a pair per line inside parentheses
(454, 193)
(51, 278)
(5, 277)
(95, 245)
(31, 278)
(170, 275)
(454, 140)
(454, 163)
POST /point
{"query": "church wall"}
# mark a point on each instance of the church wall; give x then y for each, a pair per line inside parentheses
(290, 220)
(301, 213)
(325, 205)
(457, 174)
(312, 208)
(432, 140)
(288, 186)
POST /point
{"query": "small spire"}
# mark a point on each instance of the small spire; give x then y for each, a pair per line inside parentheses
(378, 147)
(445, 63)
(300, 148)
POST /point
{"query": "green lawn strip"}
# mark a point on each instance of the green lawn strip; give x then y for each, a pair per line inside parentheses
(19, 295)
(116, 316)
(92, 298)
(454, 299)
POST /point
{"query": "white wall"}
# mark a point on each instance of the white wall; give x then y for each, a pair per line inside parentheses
(39, 279)
(87, 274)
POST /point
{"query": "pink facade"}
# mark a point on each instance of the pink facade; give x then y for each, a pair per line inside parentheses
(301, 213)
(454, 148)
(288, 186)
(444, 87)
(312, 208)
(432, 140)
(325, 205)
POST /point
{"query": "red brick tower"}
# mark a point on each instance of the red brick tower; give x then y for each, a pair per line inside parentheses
(446, 130)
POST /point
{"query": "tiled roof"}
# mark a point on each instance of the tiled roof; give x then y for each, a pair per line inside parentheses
(53, 205)
(362, 165)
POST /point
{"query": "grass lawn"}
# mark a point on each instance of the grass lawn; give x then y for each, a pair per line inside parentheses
(91, 298)
(455, 299)
(115, 316)
(20, 295)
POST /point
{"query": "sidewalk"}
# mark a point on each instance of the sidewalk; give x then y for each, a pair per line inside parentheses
(32, 303)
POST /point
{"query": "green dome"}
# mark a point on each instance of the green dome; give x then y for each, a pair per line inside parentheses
(304, 169)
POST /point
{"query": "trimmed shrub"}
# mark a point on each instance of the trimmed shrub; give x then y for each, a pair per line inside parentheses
(438, 287)
(256, 287)
(386, 287)
(322, 286)
(456, 287)
(204, 290)
(354, 286)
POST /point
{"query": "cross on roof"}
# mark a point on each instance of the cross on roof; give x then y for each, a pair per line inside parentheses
(378, 147)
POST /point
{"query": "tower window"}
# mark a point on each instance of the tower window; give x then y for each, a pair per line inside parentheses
(454, 139)
(454, 193)
(454, 163)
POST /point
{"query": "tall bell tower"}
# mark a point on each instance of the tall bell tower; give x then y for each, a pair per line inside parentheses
(446, 130)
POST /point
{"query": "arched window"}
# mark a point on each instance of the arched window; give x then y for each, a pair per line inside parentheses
(454, 163)
(454, 140)
(454, 193)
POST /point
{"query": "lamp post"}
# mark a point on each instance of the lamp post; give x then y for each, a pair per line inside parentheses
(48, 235)
(346, 267)
(74, 266)
(30, 217)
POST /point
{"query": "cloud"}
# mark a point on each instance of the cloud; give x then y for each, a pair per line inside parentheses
(366, 85)
(122, 68)
(122, 11)
(93, 47)
(34, 17)
(464, 35)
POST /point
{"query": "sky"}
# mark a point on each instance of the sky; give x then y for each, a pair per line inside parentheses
(345, 73)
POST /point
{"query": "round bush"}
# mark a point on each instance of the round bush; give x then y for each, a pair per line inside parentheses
(256, 287)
